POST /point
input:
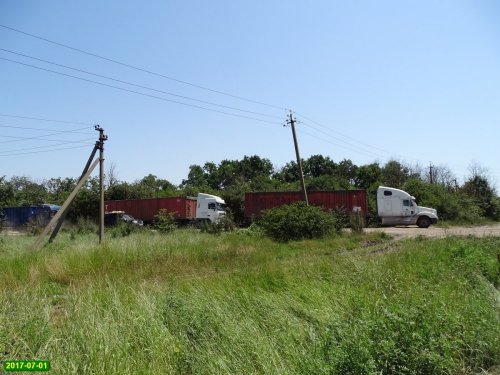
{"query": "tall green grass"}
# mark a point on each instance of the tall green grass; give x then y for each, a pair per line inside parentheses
(189, 302)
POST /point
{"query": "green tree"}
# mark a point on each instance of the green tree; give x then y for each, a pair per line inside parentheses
(28, 192)
(318, 165)
(368, 176)
(197, 178)
(7, 193)
(58, 189)
(395, 174)
(346, 172)
(86, 202)
(479, 189)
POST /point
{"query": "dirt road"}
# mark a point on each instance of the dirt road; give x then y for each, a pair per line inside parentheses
(414, 231)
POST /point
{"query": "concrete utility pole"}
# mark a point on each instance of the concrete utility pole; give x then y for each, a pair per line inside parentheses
(57, 221)
(102, 139)
(291, 121)
(59, 224)
(64, 207)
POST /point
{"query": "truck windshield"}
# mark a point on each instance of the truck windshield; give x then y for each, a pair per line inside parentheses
(221, 207)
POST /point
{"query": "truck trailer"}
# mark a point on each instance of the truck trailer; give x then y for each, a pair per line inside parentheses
(348, 200)
(204, 207)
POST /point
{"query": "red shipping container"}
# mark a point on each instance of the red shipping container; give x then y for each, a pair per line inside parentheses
(146, 209)
(349, 200)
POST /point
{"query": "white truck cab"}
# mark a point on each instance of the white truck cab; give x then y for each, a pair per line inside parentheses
(210, 207)
(397, 207)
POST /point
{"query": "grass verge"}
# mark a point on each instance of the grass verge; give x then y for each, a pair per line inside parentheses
(189, 302)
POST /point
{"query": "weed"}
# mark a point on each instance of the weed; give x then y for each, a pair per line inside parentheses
(194, 303)
(224, 224)
(164, 221)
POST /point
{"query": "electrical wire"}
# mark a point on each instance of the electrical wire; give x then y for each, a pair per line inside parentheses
(48, 120)
(140, 86)
(139, 93)
(342, 134)
(335, 144)
(354, 147)
(38, 147)
(42, 129)
(39, 152)
(144, 70)
(18, 139)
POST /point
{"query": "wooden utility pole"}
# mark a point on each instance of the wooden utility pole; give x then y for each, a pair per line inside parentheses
(431, 177)
(291, 121)
(102, 139)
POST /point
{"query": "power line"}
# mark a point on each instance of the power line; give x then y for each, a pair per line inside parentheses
(18, 139)
(335, 144)
(48, 120)
(341, 140)
(144, 70)
(138, 93)
(343, 135)
(141, 86)
(41, 129)
(39, 152)
(38, 147)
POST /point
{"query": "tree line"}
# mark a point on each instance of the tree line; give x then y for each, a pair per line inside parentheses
(472, 201)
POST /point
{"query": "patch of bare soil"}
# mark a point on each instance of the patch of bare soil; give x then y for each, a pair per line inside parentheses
(402, 232)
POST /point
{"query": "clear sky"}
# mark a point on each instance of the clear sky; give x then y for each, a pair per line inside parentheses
(418, 81)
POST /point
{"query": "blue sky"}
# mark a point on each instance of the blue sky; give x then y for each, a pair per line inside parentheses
(417, 81)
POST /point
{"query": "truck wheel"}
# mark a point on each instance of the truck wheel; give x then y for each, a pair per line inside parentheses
(424, 222)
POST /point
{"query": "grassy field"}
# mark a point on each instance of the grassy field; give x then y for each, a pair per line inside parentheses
(189, 302)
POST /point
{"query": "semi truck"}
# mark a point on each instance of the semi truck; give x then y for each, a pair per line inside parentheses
(204, 207)
(397, 207)
(394, 206)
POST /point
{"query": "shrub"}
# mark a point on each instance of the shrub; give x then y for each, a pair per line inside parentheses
(33, 227)
(340, 219)
(84, 225)
(357, 222)
(296, 221)
(254, 230)
(224, 224)
(164, 221)
(122, 229)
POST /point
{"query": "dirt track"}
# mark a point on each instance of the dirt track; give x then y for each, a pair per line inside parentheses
(414, 231)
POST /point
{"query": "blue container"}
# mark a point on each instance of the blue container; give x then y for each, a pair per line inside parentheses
(18, 216)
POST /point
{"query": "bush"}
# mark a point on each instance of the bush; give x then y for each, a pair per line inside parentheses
(33, 227)
(164, 221)
(254, 230)
(340, 219)
(297, 221)
(224, 224)
(84, 225)
(357, 222)
(122, 229)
